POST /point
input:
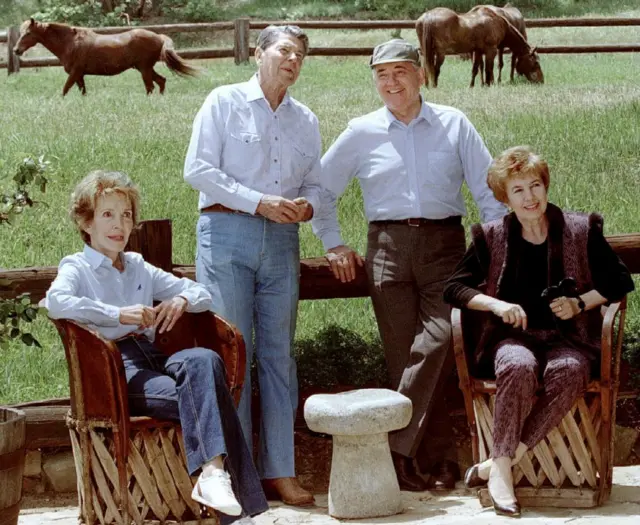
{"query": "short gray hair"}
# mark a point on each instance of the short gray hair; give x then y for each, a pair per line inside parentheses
(270, 34)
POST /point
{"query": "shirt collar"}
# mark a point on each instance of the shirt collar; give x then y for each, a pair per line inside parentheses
(254, 91)
(425, 114)
(97, 259)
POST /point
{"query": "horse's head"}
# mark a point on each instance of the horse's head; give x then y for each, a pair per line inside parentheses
(29, 36)
(528, 65)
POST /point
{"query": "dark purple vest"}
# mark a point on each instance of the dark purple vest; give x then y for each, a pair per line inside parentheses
(567, 244)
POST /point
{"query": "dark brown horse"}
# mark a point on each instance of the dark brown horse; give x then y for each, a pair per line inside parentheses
(84, 52)
(480, 32)
(515, 18)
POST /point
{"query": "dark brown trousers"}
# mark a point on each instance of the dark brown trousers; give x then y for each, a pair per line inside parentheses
(407, 267)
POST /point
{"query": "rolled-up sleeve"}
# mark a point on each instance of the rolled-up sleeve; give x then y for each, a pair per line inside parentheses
(476, 160)
(64, 300)
(202, 164)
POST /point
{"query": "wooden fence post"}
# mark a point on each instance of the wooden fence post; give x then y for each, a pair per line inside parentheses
(13, 60)
(241, 40)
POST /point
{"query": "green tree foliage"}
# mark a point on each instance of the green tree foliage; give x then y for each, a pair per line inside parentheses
(15, 312)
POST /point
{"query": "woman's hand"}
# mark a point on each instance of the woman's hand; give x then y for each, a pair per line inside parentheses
(168, 312)
(512, 314)
(565, 307)
(138, 314)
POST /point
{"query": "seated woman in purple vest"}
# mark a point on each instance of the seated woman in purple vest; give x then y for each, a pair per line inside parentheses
(112, 291)
(539, 330)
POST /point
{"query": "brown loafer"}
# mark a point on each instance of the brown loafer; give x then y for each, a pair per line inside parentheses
(287, 490)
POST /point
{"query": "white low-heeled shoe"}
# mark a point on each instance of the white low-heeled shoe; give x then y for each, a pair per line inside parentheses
(215, 491)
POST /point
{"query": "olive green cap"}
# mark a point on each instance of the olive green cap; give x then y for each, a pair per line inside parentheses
(396, 50)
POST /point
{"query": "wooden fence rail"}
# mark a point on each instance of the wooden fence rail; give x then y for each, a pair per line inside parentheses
(153, 239)
(242, 26)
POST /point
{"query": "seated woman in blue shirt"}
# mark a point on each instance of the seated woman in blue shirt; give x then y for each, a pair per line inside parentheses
(112, 292)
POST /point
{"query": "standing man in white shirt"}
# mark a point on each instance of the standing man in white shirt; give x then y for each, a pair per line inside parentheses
(254, 156)
(411, 158)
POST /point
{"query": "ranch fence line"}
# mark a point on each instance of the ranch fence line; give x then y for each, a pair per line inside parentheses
(242, 49)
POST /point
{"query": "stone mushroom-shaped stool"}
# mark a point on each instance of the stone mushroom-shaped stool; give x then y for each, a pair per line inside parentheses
(363, 481)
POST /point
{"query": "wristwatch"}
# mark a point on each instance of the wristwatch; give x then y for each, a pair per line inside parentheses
(581, 304)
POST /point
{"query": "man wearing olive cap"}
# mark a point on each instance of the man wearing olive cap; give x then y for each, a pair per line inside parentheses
(411, 158)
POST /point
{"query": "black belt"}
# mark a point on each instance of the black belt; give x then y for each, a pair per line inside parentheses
(454, 220)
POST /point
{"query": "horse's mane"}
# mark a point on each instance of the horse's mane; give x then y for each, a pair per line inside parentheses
(513, 30)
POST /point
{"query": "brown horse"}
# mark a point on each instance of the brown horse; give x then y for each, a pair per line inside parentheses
(84, 52)
(480, 32)
(515, 18)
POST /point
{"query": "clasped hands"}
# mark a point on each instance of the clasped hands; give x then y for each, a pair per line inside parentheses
(165, 315)
(562, 307)
(284, 211)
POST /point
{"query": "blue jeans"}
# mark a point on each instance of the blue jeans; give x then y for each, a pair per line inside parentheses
(190, 387)
(251, 267)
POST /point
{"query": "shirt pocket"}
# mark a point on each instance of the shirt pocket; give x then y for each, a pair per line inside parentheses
(443, 169)
(243, 153)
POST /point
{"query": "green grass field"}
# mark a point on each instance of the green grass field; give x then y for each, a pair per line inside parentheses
(585, 119)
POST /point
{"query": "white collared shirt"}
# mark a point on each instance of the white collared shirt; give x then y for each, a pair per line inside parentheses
(406, 171)
(88, 289)
(241, 149)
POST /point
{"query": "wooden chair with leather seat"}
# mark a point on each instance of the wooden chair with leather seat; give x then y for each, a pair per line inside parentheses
(573, 465)
(134, 468)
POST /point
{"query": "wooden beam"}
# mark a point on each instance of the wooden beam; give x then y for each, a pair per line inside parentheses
(241, 40)
(13, 60)
(152, 239)
(549, 497)
(316, 279)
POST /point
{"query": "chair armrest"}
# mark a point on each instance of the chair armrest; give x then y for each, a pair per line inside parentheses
(223, 337)
(611, 342)
(98, 387)
(209, 330)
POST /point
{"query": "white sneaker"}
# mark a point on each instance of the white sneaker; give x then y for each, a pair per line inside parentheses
(215, 491)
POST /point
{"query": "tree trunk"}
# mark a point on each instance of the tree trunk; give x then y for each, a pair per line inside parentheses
(107, 6)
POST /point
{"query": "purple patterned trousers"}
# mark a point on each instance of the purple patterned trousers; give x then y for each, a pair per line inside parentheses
(518, 415)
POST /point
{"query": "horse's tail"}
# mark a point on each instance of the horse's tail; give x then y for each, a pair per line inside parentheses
(425, 37)
(173, 61)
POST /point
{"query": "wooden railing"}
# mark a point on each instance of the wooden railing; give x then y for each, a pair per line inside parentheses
(153, 240)
(242, 49)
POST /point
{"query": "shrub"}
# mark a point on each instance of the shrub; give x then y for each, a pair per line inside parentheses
(339, 356)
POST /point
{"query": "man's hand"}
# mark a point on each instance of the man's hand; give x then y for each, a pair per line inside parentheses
(168, 312)
(304, 208)
(565, 307)
(278, 209)
(512, 314)
(343, 261)
(138, 314)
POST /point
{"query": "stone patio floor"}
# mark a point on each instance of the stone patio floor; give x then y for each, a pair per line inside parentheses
(456, 507)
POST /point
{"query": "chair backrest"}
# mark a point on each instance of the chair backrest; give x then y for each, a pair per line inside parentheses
(209, 330)
(96, 374)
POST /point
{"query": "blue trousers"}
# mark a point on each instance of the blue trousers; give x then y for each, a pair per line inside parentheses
(251, 267)
(190, 387)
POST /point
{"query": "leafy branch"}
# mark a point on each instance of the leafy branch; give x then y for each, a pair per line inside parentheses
(14, 312)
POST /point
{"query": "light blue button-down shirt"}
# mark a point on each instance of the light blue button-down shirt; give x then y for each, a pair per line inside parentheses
(406, 171)
(88, 289)
(241, 149)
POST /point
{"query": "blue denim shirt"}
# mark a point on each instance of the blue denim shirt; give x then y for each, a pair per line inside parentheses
(241, 149)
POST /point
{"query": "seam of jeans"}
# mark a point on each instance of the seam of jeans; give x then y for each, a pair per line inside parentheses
(196, 425)
(147, 396)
